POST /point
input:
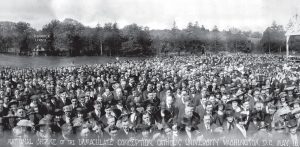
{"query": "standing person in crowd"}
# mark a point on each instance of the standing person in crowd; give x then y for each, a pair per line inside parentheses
(214, 95)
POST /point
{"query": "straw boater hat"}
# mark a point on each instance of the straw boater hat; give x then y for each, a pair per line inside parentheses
(234, 98)
(289, 88)
(25, 123)
(296, 111)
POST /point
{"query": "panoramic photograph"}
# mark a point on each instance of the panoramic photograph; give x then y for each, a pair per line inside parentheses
(166, 73)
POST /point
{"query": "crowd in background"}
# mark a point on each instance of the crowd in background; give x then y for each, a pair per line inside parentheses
(193, 97)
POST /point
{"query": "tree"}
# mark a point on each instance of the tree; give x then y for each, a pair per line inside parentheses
(25, 36)
(215, 40)
(273, 38)
(112, 38)
(51, 29)
(98, 39)
(137, 40)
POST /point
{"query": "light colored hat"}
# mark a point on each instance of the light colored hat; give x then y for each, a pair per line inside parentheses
(296, 110)
(25, 123)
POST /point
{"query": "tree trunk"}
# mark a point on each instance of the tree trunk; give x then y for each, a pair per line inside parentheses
(101, 48)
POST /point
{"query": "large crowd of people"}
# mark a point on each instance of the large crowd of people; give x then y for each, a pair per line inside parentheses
(193, 97)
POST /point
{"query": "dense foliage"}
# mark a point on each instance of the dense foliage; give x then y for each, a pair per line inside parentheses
(70, 37)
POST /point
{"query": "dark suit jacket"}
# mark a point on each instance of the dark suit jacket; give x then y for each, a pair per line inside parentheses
(137, 119)
(171, 114)
(61, 104)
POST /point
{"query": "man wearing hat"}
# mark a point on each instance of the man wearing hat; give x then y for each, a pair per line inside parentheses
(67, 113)
(293, 135)
(98, 113)
(169, 111)
(234, 103)
(45, 127)
(126, 131)
(34, 115)
(229, 126)
(269, 117)
(80, 118)
(63, 100)
(191, 117)
(58, 121)
(207, 128)
(135, 117)
(263, 132)
(23, 128)
(296, 113)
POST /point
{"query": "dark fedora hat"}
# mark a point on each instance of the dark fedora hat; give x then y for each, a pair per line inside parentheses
(292, 123)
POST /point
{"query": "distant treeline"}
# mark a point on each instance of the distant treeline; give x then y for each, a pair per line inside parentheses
(72, 38)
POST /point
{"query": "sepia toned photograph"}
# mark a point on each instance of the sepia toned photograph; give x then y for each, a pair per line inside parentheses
(149, 73)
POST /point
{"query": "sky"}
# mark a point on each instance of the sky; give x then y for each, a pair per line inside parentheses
(254, 15)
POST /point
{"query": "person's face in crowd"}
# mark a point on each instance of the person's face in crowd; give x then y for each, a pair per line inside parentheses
(20, 87)
(123, 83)
(212, 98)
(256, 93)
(85, 133)
(5, 100)
(111, 121)
(234, 104)
(259, 106)
(1, 93)
(293, 130)
(189, 111)
(119, 92)
(296, 105)
(207, 83)
(229, 119)
(153, 95)
(209, 108)
(134, 93)
(203, 91)
(36, 109)
(139, 87)
(168, 92)
(133, 109)
(146, 133)
(97, 107)
(149, 96)
(67, 113)
(107, 91)
(80, 115)
(1, 104)
(82, 100)
(167, 86)
(169, 100)
(203, 100)
(21, 113)
(297, 115)
(214, 84)
(74, 102)
(19, 131)
(13, 108)
(45, 130)
(253, 82)
(146, 118)
(192, 90)
(125, 124)
(108, 112)
(282, 99)
(131, 81)
(207, 120)
(63, 96)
